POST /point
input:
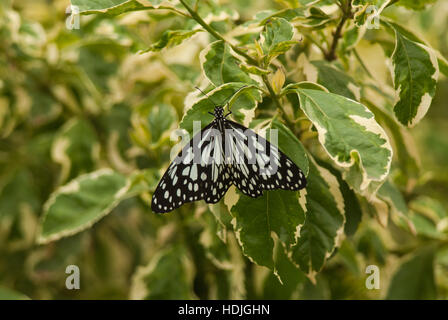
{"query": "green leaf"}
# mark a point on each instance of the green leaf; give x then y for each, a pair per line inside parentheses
(324, 223)
(424, 226)
(404, 145)
(390, 203)
(415, 74)
(429, 217)
(372, 247)
(161, 120)
(76, 149)
(389, 193)
(391, 25)
(276, 38)
(243, 107)
(17, 193)
(350, 135)
(8, 294)
(353, 211)
(221, 65)
(80, 203)
(288, 272)
(167, 276)
(214, 241)
(116, 7)
(415, 4)
(289, 144)
(335, 80)
(414, 280)
(254, 69)
(255, 220)
(429, 207)
(171, 38)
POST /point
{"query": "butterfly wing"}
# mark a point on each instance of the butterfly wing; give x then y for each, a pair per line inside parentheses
(258, 165)
(198, 172)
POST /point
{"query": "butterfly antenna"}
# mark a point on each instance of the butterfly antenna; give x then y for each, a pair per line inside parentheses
(206, 95)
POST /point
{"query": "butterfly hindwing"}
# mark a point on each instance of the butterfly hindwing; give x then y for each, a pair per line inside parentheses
(258, 165)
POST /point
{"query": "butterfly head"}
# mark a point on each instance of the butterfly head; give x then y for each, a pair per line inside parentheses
(218, 112)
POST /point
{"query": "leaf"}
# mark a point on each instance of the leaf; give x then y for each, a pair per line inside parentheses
(212, 240)
(288, 272)
(416, 4)
(221, 65)
(414, 280)
(314, 18)
(391, 25)
(243, 108)
(350, 135)
(254, 69)
(415, 74)
(116, 7)
(429, 207)
(167, 276)
(79, 204)
(371, 246)
(276, 212)
(390, 203)
(171, 38)
(404, 145)
(76, 148)
(324, 223)
(161, 120)
(288, 144)
(429, 217)
(278, 80)
(276, 38)
(353, 211)
(335, 80)
(426, 227)
(8, 294)
(17, 193)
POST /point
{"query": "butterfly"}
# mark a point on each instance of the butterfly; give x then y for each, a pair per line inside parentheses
(222, 154)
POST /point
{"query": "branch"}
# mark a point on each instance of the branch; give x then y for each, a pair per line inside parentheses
(347, 14)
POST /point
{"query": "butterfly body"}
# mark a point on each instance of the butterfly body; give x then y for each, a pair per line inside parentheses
(222, 154)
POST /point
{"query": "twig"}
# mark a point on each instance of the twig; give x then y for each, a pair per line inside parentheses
(347, 13)
(277, 101)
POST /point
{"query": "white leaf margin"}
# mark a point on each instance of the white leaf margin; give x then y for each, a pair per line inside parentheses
(72, 187)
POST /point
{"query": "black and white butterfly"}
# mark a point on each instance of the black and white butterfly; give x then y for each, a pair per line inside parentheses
(221, 154)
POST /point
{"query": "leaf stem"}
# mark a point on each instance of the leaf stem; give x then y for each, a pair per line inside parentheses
(358, 57)
(277, 101)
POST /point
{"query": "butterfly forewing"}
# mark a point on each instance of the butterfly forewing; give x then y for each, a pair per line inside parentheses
(198, 172)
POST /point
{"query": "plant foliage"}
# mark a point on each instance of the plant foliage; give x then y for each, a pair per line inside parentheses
(92, 106)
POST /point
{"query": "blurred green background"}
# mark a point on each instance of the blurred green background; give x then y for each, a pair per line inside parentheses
(74, 101)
